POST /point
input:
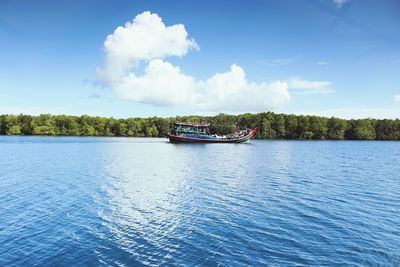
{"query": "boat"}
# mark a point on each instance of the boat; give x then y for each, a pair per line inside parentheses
(184, 132)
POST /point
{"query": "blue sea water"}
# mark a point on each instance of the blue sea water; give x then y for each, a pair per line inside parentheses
(76, 201)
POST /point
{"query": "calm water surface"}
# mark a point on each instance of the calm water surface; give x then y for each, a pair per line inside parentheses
(130, 202)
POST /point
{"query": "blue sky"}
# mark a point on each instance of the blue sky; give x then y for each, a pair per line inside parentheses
(331, 58)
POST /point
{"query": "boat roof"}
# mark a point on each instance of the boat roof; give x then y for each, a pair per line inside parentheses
(192, 124)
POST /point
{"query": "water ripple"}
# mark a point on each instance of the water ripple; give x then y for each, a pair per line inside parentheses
(131, 202)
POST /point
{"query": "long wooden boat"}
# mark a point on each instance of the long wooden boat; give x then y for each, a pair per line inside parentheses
(199, 134)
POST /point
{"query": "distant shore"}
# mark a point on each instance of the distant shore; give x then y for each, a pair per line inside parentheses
(270, 126)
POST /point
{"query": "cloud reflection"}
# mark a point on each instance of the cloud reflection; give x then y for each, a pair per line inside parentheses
(144, 193)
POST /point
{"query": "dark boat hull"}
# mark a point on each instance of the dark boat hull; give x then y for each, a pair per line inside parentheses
(180, 139)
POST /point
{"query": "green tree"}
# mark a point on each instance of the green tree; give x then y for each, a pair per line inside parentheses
(303, 127)
(134, 127)
(361, 130)
(386, 130)
(318, 127)
(307, 135)
(336, 128)
(8, 122)
(43, 125)
(291, 127)
(152, 131)
(279, 126)
(25, 124)
(266, 130)
(14, 130)
(270, 125)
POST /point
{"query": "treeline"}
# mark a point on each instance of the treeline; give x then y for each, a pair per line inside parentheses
(270, 126)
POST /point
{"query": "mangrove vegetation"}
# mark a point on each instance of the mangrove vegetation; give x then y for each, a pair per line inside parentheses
(269, 124)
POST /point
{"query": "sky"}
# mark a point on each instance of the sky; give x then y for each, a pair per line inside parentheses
(166, 58)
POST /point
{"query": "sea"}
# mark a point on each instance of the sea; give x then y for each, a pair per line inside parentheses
(110, 201)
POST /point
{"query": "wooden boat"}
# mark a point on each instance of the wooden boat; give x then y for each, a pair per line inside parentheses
(199, 133)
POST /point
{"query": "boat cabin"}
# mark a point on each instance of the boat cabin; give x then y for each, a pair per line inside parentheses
(191, 128)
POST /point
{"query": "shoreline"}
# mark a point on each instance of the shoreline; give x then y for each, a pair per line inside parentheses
(152, 137)
(271, 126)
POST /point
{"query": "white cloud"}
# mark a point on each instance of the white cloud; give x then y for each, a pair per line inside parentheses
(339, 3)
(397, 98)
(165, 84)
(309, 87)
(161, 84)
(322, 63)
(145, 38)
(231, 91)
(146, 41)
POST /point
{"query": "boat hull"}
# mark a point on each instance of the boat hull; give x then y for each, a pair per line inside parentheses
(180, 139)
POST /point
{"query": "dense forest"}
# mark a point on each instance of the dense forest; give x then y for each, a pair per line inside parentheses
(270, 126)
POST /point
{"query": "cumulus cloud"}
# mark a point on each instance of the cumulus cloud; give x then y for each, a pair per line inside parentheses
(143, 39)
(231, 91)
(162, 84)
(165, 84)
(146, 42)
(397, 98)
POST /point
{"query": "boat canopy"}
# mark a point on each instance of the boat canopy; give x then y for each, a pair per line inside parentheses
(197, 128)
(191, 124)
